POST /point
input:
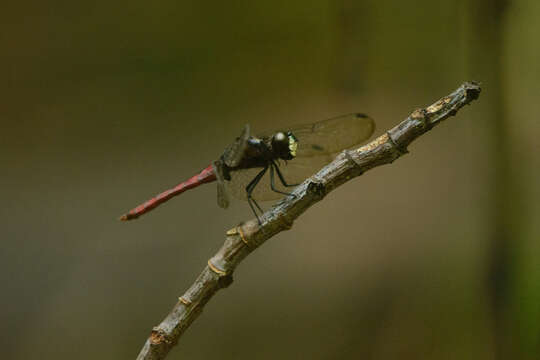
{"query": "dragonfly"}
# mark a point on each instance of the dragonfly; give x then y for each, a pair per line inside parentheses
(248, 167)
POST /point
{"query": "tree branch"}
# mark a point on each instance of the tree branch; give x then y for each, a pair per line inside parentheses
(246, 237)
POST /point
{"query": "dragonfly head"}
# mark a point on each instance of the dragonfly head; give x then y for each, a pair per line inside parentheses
(284, 145)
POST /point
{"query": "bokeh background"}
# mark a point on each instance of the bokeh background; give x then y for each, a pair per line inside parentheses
(103, 104)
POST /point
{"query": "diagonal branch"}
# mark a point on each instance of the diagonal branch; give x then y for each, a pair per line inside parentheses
(246, 237)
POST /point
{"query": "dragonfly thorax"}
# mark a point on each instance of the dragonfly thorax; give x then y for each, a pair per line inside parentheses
(284, 145)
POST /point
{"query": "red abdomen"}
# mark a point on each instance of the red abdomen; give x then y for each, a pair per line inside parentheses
(205, 176)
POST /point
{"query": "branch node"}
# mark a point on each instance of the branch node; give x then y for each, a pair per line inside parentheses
(242, 237)
(237, 231)
(400, 149)
(216, 270)
(184, 301)
(316, 189)
(158, 336)
(423, 115)
(350, 158)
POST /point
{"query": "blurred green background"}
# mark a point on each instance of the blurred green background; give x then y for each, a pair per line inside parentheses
(104, 104)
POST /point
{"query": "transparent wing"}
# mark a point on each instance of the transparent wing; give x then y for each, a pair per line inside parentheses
(234, 153)
(331, 135)
(222, 194)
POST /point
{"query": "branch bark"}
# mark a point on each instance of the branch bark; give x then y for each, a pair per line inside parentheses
(246, 237)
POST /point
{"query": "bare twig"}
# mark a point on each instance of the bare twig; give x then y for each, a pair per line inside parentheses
(245, 238)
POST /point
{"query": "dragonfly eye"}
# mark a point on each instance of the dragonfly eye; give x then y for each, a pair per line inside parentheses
(293, 143)
(284, 145)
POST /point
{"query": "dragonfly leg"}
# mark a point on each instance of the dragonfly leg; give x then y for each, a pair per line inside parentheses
(272, 181)
(249, 190)
(281, 178)
(253, 209)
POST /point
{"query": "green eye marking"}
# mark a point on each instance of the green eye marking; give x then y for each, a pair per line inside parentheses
(293, 144)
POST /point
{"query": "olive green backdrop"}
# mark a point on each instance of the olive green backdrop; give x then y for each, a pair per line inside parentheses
(103, 104)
